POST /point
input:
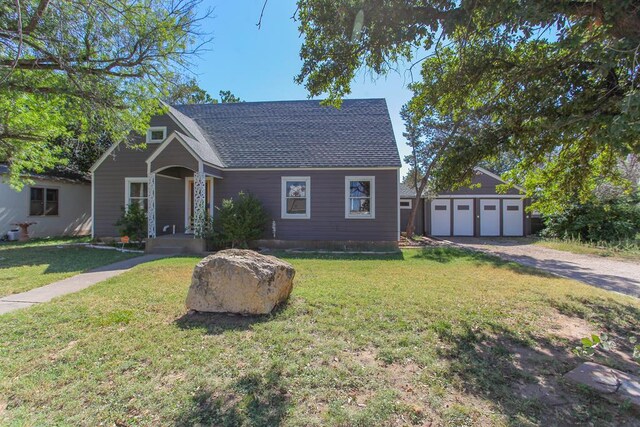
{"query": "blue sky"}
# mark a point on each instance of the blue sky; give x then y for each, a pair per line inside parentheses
(260, 64)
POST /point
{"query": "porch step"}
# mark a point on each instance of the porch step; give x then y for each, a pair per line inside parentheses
(175, 244)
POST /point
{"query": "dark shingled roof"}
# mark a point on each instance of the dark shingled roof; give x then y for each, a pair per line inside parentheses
(406, 191)
(294, 134)
(53, 174)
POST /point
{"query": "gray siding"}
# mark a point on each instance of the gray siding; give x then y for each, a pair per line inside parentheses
(327, 220)
(174, 154)
(109, 178)
(170, 204)
(419, 221)
(217, 172)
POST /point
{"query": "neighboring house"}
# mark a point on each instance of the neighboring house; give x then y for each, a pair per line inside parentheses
(326, 176)
(58, 205)
(478, 210)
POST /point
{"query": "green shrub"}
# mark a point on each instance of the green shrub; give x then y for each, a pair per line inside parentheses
(133, 223)
(239, 221)
(609, 221)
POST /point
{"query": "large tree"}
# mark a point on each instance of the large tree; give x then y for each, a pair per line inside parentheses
(85, 68)
(187, 91)
(553, 83)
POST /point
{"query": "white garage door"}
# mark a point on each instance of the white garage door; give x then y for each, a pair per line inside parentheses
(513, 219)
(489, 217)
(463, 217)
(440, 218)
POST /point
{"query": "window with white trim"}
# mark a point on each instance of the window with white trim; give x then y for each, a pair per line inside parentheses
(156, 134)
(360, 197)
(406, 204)
(136, 191)
(296, 197)
(43, 201)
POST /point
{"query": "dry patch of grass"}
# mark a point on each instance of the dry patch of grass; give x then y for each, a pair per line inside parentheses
(628, 250)
(433, 336)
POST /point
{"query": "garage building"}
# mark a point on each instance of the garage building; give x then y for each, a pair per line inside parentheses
(478, 210)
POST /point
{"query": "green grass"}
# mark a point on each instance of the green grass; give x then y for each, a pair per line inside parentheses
(46, 241)
(434, 335)
(629, 250)
(28, 265)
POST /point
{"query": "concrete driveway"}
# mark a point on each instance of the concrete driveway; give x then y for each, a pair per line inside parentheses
(606, 273)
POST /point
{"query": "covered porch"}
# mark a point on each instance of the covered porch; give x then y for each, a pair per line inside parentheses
(181, 188)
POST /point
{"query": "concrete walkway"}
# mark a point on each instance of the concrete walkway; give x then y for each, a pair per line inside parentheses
(70, 284)
(610, 274)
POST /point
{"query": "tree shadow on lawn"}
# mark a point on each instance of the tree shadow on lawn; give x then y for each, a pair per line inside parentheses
(450, 254)
(522, 375)
(254, 399)
(609, 280)
(63, 259)
(57, 260)
(618, 321)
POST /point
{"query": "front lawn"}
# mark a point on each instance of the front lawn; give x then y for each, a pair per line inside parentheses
(436, 336)
(28, 265)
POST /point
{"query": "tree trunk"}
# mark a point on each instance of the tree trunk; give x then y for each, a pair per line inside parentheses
(411, 226)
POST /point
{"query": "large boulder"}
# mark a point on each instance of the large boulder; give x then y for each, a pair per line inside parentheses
(239, 281)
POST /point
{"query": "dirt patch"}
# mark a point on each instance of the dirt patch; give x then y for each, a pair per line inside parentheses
(60, 353)
(570, 328)
(420, 242)
(573, 329)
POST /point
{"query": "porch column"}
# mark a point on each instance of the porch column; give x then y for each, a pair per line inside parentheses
(151, 206)
(199, 203)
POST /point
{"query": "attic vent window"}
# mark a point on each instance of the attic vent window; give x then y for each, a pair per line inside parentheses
(156, 134)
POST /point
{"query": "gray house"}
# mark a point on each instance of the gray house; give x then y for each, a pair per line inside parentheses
(326, 176)
(478, 210)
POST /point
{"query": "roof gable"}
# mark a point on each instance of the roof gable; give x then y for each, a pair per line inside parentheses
(199, 143)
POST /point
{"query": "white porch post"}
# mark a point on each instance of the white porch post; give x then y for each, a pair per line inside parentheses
(151, 206)
(199, 202)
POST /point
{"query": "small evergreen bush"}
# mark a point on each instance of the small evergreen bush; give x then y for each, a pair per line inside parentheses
(238, 221)
(133, 223)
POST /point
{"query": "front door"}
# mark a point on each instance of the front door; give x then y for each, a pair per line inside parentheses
(190, 202)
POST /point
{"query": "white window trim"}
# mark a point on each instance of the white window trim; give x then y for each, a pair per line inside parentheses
(283, 197)
(406, 200)
(155, 129)
(347, 192)
(127, 187)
